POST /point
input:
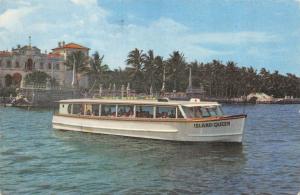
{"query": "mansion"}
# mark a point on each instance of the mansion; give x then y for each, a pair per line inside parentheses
(20, 61)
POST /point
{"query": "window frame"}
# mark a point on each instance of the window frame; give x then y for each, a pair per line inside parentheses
(144, 105)
(168, 115)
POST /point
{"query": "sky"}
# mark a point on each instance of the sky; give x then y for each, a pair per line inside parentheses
(258, 33)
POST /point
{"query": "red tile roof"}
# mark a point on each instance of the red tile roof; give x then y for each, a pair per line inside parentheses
(5, 53)
(54, 55)
(71, 46)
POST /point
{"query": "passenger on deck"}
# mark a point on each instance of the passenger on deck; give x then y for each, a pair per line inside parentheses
(88, 112)
(165, 115)
(198, 113)
(81, 110)
(172, 114)
(130, 113)
(95, 113)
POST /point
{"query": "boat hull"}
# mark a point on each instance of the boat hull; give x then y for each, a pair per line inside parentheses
(228, 129)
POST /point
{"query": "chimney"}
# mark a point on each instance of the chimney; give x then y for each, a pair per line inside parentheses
(19, 46)
(59, 44)
(63, 43)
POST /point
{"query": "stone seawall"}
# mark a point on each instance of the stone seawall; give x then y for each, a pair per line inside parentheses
(49, 97)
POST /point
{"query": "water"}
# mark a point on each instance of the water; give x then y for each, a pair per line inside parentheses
(34, 158)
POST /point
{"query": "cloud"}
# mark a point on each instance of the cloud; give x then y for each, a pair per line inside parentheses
(169, 25)
(12, 18)
(85, 2)
(89, 24)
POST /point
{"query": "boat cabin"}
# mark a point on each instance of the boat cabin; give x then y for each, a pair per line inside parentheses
(140, 108)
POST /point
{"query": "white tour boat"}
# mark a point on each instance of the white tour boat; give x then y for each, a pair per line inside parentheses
(162, 119)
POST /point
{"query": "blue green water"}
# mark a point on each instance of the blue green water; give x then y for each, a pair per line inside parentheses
(35, 159)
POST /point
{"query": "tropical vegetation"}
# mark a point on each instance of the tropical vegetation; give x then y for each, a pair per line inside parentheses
(39, 78)
(145, 70)
(77, 62)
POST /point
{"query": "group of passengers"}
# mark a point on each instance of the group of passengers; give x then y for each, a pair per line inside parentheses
(123, 112)
(166, 115)
(94, 113)
(108, 112)
(144, 114)
(127, 111)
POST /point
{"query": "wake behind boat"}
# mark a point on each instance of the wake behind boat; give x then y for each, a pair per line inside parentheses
(162, 119)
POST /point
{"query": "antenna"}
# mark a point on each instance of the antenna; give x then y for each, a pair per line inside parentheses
(29, 41)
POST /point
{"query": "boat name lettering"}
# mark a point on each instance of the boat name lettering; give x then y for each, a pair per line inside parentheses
(215, 124)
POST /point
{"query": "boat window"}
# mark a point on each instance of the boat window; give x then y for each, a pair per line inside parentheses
(108, 110)
(144, 111)
(205, 112)
(69, 108)
(219, 111)
(95, 109)
(215, 111)
(179, 114)
(212, 111)
(88, 109)
(125, 111)
(92, 109)
(165, 112)
(188, 112)
(199, 111)
(78, 109)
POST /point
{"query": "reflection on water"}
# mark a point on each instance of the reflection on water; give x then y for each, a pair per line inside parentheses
(34, 158)
(176, 164)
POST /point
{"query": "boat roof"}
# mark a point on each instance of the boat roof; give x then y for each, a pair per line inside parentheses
(141, 102)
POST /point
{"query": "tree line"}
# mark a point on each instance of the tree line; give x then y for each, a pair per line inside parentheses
(145, 70)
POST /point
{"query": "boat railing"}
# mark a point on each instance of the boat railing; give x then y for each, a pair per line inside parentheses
(126, 97)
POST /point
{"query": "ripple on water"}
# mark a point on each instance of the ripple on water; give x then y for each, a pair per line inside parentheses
(34, 158)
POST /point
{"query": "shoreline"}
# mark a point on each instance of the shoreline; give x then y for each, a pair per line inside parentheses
(223, 101)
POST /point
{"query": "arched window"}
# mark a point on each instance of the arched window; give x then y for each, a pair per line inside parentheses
(41, 65)
(17, 64)
(29, 65)
(16, 79)
(8, 80)
(8, 63)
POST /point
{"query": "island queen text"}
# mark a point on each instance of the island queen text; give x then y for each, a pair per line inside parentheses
(215, 124)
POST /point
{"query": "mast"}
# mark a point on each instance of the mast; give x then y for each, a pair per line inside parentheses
(122, 91)
(190, 78)
(29, 41)
(73, 77)
(151, 91)
(164, 80)
(128, 89)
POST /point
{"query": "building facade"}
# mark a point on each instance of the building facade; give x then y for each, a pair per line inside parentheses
(17, 63)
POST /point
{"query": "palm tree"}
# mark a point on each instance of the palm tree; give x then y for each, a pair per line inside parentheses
(159, 71)
(251, 80)
(135, 62)
(177, 64)
(231, 79)
(77, 62)
(97, 69)
(264, 78)
(149, 68)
